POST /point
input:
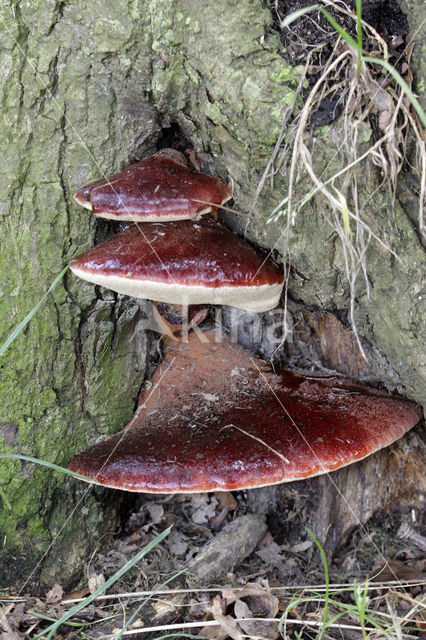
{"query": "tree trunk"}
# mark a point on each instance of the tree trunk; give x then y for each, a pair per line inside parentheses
(88, 87)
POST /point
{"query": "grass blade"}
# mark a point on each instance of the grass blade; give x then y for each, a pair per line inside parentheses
(44, 463)
(342, 33)
(327, 581)
(21, 326)
(359, 34)
(5, 500)
(147, 599)
(297, 14)
(404, 86)
(344, 211)
(117, 575)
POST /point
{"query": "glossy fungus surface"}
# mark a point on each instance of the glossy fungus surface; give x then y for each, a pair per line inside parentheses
(218, 419)
(155, 188)
(184, 263)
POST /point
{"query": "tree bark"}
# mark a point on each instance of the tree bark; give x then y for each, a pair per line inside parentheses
(87, 88)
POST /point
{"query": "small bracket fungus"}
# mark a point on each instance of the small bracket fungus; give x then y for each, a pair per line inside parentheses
(157, 188)
(223, 420)
(184, 262)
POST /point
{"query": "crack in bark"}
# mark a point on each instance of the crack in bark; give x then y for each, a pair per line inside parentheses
(21, 46)
(58, 13)
(61, 170)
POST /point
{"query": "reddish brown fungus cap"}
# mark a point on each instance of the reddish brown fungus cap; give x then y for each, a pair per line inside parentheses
(184, 263)
(156, 188)
(218, 419)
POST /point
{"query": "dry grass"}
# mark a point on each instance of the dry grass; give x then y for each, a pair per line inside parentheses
(363, 92)
(367, 610)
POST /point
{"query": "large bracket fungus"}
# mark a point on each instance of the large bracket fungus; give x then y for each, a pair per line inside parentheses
(216, 417)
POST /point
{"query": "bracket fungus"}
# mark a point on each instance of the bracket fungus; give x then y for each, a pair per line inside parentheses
(160, 187)
(222, 420)
(184, 262)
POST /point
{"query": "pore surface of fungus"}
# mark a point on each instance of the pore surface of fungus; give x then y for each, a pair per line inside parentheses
(155, 188)
(184, 262)
(218, 419)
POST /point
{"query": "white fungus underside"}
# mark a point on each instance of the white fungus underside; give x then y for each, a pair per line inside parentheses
(250, 298)
(133, 217)
(162, 217)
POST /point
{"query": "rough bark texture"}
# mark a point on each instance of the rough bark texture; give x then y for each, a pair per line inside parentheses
(74, 83)
(87, 87)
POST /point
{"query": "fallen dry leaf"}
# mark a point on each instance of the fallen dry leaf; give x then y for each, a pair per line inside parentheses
(227, 623)
(226, 500)
(95, 581)
(156, 513)
(396, 570)
(385, 119)
(302, 546)
(81, 593)
(260, 599)
(264, 629)
(177, 543)
(271, 554)
(55, 594)
(9, 632)
(203, 508)
(213, 633)
(255, 600)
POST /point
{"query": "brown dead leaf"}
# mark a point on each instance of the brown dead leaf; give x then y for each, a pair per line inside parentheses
(213, 633)
(260, 599)
(9, 632)
(156, 513)
(229, 595)
(271, 554)
(177, 543)
(382, 99)
(302, 546)
(262, 628)
(226, 500)
(227, 623)
(396, 570)
(95, 581)
(81, 593)
(203, 508)
(19, 614)
(40, 605)
(385, 119)
(255, 600)
(55, 594)
(198, 608)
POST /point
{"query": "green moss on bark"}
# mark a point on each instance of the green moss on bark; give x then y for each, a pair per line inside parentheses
(74, 104)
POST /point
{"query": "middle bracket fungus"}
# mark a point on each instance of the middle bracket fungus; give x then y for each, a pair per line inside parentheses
(184, 263)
